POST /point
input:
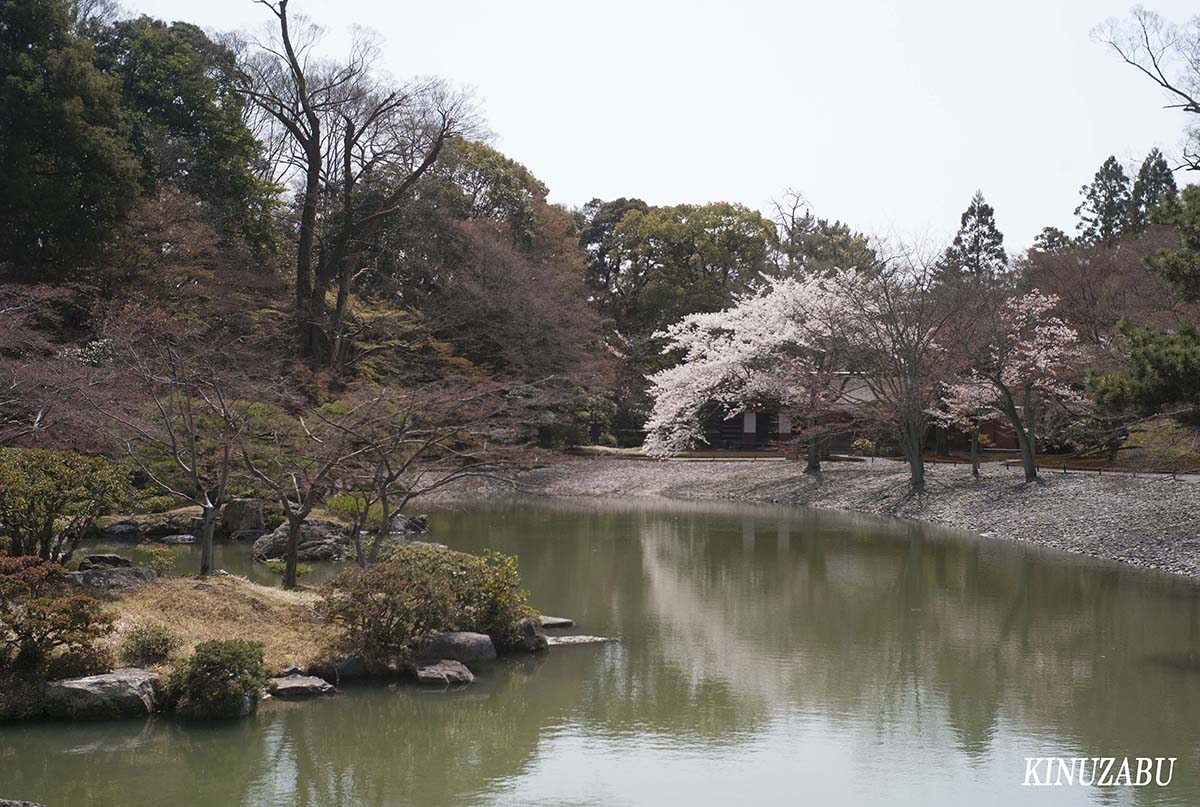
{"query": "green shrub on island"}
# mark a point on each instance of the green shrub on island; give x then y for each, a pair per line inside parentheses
(279, 567)
(48, 498)
(160, 559)
(384, 609)
(39, 616)
(147, 644)
(222, 678)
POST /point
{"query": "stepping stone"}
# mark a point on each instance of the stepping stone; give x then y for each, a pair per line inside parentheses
(299, 686)
(556, 622)
(444, 673)
(557, 641)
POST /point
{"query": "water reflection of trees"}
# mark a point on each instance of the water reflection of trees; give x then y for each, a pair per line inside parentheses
(727, 619)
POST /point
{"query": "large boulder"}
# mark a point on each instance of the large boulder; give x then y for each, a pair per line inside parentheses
(319, 540)
(530, 638)
(104, 561)
(120, 693)
(444, 673)
(181, 538)
(299, 686)
(243, 515)
(119, 577)
(409, 525)
(461, 646)
(123, 532)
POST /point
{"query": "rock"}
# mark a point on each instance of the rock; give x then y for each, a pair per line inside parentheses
(11, 803)
(196, 526)
(293, 670)
(299, 686)
(558, 641)
(246, 535)
(181, 538)
(426, 545)
(104, 562)
(243, 515)
(404, 525)
(530, 636)
(120, 693)
(444, 673)
(552, 622)
(318, 540)
(124, 531)
(119, 577)
(457, 646)
(351, 667)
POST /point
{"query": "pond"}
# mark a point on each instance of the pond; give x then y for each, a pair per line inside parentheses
(764, 656)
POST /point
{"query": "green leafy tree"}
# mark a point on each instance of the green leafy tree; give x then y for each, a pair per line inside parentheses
(67, 172)
(48, 498)
(1052, 239)
(187, 121)
(978, 247)
(485, 184)
(1104, 212)
(685, 259)
(811, 244)
(1153, 186)
(597, 223)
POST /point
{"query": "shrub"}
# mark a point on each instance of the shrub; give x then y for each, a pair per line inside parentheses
(39, 614)
(386, 608)
(160, 559)
(48, 498)
(279, 567)
(148, 643)
(863, 447)
(76, 662)
(220, 679)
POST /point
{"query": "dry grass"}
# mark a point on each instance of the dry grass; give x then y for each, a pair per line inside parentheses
(228, 608)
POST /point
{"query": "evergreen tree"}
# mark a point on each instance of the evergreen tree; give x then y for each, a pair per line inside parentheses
(1052, 239)
(1153, 185)
(978, 248)
(67, 174)
(1104, 212)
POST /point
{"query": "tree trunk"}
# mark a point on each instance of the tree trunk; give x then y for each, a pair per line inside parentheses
(1030, 454)
(305, 323)
(293, 551)
(912, 439)
(975, 450)
(814, 458)
(206, 539)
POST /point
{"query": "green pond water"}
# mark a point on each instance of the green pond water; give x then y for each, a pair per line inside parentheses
(765, 656)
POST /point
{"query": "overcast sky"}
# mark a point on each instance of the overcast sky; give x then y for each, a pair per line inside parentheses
(884, 114)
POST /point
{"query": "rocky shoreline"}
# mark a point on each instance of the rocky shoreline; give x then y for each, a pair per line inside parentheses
(1150, 522)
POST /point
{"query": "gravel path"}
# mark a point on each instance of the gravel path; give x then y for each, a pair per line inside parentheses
(1149, 522)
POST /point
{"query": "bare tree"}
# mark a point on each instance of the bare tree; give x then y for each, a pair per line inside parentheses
(1169, 55)
(186, 444)
(893, 328)
(416, 442)
(354, 145)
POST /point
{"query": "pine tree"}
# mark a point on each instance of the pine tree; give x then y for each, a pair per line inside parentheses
(1154, 185)
(1052, 239)
(1104, 212)
(978, 248)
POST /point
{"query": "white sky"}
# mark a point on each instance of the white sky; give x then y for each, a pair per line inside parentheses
(885, 114)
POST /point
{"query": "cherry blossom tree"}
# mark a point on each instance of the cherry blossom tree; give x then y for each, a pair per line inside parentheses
(775, 346)
(796, 342)
(1024, 360)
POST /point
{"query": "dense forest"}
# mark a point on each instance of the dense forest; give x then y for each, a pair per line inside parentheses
(234, 263)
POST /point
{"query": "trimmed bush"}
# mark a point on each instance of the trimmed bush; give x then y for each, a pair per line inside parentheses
(385, 609)
(148, 644)
(222, 678)
(76, 662)
(160, 559)
(39, 615)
